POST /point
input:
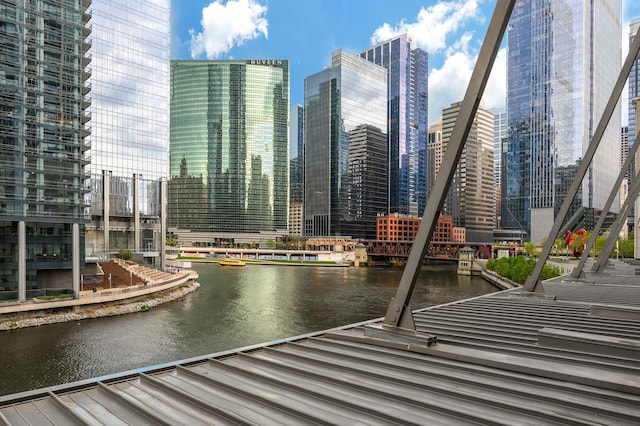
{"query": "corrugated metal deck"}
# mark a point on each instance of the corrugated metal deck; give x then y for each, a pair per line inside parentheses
(507, 358)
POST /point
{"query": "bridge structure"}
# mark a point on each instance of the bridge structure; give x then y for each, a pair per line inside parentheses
(378, 250)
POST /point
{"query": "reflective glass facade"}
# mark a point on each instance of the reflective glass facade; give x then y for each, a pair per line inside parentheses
(130, 123)
(634, 92)
(229, 146)
(130, 87)
(560, 76)
(407, 121)
(350, 93)
(296, 136)
(43, 125)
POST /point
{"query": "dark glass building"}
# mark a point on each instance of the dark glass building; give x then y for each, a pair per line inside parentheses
(229, 146)
(407, 68)
(43, 152)
(365, 181)
(352, 92)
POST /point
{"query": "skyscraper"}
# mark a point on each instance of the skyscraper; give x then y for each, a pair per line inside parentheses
(229, 132)
(366, 179)
(351, 92)
(561, 70)
(471, 197)
(499, 134)
(435, 153)
(43, 150)
(634, 93)
(130, 127)
(407, 68)
(296, 138)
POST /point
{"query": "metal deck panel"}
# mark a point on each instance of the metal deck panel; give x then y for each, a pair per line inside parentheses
(488, 367)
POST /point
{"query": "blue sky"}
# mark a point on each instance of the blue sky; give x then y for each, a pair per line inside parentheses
(307, 31)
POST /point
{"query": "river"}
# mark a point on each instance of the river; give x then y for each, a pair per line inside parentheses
(234, 307)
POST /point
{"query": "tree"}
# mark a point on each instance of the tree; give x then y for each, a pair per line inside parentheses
(530, 248)
(125, 254)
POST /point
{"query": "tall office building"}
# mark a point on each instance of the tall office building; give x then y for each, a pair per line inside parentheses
(351, 92)
(435, 153)
(634, 83)
(366, 181)
(471, 197)
(407, 68)
(130, 127)
(296, 167)
(296, 137)
(230, 140)
(561, 70)
(499, 135)
(44, 62)
(634, 94)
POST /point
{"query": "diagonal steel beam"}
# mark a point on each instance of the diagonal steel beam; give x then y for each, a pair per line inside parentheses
(533, 280)
(578, 270)
(617, 225)
(398, 313)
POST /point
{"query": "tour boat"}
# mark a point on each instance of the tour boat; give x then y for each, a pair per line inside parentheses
(231, 262)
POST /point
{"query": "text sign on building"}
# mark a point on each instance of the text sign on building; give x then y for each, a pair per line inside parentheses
(264, 62)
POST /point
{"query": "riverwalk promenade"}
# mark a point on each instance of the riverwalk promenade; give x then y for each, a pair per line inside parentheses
(150, 281)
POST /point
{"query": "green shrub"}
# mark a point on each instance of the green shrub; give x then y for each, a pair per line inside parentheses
(519, 268)
(125, 254)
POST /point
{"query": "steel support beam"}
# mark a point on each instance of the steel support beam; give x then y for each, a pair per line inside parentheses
(533, 280)
(398, 313)
(578, 270)
(617, 225)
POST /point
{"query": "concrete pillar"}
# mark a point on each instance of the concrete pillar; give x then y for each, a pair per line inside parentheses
(136, 213)
(22, 262)
(75, 259)
(163, 221)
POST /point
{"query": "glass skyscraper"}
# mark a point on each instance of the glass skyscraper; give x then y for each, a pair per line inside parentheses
(352, 92)
(130, 48)
(407, 68)
(634, 93)
(499, 134)
(229, 153)
(561, 70)
(44, 67)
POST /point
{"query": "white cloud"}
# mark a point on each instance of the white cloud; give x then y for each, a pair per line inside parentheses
(433, 24)
(227, 25)
(445, 31)
(495, 94)
(448, 83)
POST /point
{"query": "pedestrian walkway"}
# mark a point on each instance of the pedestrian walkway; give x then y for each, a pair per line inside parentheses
(149, 281)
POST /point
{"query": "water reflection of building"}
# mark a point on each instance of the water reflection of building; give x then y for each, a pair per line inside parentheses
(43, 147)
(229, 128)
(130, 128)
